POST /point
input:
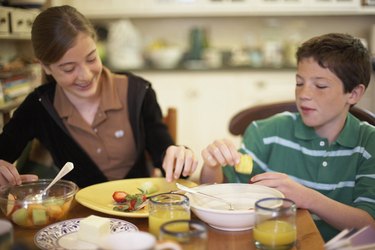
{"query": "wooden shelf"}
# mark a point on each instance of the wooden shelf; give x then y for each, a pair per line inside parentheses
(26, 36)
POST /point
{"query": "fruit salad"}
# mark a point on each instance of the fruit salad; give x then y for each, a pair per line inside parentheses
(36, 214)
(126, 202)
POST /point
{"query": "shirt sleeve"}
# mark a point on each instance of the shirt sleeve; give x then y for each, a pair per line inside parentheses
(252, 144)
(364, 189)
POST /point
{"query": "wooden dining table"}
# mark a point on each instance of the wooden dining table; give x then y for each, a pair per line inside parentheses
(308, 236)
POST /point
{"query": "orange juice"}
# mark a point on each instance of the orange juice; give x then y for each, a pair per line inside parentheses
(275, 233)
(156, 219)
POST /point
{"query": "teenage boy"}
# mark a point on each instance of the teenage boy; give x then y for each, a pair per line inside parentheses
(323, 158)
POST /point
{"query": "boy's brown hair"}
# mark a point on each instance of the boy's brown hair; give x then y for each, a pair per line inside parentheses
(342, 54)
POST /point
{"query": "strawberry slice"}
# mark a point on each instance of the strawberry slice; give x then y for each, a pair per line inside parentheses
(119, 196)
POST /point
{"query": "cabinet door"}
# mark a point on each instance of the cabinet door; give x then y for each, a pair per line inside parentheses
(206, 101)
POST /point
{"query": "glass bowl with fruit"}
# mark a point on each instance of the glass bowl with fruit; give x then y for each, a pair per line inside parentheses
(17, 204)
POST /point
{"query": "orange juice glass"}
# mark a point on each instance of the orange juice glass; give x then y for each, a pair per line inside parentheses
(275, 227)
(167, 207)
(190, 234)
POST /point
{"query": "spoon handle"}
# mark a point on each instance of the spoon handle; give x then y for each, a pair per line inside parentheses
(190, 190)
(65, 169)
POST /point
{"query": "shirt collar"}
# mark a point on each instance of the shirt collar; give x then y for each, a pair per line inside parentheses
(109, 98)
(345, 137)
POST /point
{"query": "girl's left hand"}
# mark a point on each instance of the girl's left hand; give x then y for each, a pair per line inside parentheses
(179, 160)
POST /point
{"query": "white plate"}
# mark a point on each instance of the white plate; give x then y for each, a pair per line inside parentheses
(64, 234)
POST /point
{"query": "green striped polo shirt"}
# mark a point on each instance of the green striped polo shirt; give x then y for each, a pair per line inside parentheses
(343, 170)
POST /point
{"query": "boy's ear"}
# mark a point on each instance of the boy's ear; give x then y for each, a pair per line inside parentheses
(356, 94)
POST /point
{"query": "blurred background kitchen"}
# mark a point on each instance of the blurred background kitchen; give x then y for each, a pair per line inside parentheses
(207, 58)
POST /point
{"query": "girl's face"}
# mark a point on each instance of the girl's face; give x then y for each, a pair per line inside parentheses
(78, 71)
(320, 98)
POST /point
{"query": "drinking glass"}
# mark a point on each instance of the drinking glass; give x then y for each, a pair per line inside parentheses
(6, 234)
(275, 227)
(190, 234)
(167, 207)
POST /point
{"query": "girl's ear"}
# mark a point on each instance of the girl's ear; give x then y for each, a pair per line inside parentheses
(46, 68)
(356, 94)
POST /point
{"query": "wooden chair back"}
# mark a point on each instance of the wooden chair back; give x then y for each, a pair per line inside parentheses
(242, 119)
(170, 119)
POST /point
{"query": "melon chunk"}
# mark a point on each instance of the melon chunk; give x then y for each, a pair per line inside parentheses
(20, 217)
(245, 166)
(39, 216)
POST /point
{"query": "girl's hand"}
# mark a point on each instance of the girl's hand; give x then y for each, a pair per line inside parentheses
(179, 160)
(10, 175)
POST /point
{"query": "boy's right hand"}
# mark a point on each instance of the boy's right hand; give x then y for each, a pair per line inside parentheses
(10, 175)
(220, 153)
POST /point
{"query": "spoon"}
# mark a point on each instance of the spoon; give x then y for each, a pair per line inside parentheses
(192, 191)
(64, 170)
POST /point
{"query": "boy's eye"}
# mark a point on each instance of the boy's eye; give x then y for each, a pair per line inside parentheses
(298, 84)
(321, 86)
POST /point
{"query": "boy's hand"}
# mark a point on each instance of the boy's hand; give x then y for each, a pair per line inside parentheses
(291, 189)
(220, 153)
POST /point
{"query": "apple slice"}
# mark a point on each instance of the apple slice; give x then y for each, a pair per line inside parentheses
(11, 204)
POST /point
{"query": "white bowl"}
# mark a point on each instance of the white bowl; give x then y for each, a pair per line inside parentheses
(243, 197)
(166, 58)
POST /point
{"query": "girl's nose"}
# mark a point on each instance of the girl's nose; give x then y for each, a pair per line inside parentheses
(84, 74)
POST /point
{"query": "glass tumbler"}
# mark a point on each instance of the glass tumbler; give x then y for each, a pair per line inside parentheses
(167, 207)
(275, 227)
(190, 234)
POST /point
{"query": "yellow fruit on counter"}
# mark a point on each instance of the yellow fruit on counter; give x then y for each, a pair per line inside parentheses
(245, 166)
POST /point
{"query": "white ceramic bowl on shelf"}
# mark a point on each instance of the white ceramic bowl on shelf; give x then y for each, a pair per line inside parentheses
(243, 197)
(166, 58)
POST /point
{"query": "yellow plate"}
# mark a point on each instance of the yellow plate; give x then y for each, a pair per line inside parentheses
(99, 196)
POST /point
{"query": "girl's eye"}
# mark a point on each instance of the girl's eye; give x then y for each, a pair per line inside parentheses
(68, 69)
(91, 59)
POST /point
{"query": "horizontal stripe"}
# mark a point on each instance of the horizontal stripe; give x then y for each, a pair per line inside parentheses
(364, 199)
(315, 217)
(372, 176)
(310, 184)
(324, 186)
(317, 153)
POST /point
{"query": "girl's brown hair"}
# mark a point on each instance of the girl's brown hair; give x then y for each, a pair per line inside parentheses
(55, 30)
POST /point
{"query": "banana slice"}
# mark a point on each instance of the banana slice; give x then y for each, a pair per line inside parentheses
(245, 166)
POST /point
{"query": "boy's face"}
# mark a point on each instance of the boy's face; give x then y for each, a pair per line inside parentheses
(320, 98)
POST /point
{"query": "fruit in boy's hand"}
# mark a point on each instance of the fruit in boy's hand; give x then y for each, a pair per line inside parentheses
(245, 166)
